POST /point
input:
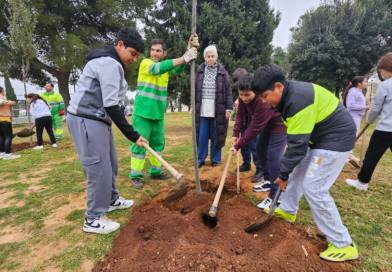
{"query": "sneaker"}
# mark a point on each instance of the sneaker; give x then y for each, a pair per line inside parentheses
(214, 164)
(282, 214)
(200, 164)
(38, 147)
(266, 203)
(137, 183)
(10, 156)
(2, 154)
(335, 254)
(161, 176)
(262, 186)
(357, 184)
(54, 145)
(258, 177)
(101, 225)
(245, 167)
(121, 203)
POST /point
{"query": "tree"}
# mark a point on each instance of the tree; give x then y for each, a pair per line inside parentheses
(338, 40)
(280, 58)
(67, 30)
(10, 93)
(241, 29)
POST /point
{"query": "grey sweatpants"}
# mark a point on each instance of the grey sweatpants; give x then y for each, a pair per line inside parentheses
(97, 154)
(313, 177)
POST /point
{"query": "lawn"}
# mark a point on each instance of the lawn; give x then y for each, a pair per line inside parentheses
(42, 200)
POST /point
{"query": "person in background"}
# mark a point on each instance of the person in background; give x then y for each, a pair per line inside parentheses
(381, 138)
(354, 99)
(56, 103)
(40, 111)
(214, 103)
(6, 127)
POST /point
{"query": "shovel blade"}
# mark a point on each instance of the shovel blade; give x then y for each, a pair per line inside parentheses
(178, 191)
(259, 224)
(210, 221)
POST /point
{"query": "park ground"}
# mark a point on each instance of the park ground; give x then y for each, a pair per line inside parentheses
(42, 200)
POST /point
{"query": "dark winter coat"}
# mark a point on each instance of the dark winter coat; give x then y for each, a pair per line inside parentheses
(223, 102)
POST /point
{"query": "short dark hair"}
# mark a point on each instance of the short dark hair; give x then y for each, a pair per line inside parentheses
(161, 42)
(266, 76)
(239, 72)
(131, 38)
(245, 82)
(50, 83)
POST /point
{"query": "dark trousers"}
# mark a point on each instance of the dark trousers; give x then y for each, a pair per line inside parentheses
(249, 151)
(5, 137)
(379, 143)
(207, 132)
(270, 150)
(40, 124)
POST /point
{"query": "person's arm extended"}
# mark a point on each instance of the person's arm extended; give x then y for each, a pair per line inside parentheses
(121, 122)
(165, 66)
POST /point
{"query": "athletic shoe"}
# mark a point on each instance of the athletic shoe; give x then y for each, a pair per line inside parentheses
(10, 156)
(2, 154)
(121, 203)
(266, 203)
(357, 184)
(101, 225)
(335, 254)
(263, 186)
(214, 164)
(258, 177)
(38, 147)
(161, 176)
(282, 214)
(137, 183)
(54, 145)
(245, 167)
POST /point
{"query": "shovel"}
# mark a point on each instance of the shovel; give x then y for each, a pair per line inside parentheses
(263, 221)
(181, 187)
(210, 218)
(26, 132)
(352, 159)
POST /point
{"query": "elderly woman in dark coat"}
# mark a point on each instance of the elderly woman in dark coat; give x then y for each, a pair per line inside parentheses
(214, 102)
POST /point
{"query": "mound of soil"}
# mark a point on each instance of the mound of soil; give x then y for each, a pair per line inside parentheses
(25, 145)
(161, 238)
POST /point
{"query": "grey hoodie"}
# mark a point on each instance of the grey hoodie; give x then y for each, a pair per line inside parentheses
(382, 106)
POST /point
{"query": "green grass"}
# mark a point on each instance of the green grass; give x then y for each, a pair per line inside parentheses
(38, 184)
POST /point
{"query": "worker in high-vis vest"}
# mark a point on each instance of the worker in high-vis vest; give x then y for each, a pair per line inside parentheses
(56, 103)
(150, 105)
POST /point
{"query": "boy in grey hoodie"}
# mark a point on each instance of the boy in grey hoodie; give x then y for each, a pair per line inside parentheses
(92, 109)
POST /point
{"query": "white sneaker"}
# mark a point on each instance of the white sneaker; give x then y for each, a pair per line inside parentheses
(121, 203)
(262, 186)
(38, 147)
(357, 184)
(2, 155)
(54, 145)
(101, 225)
(266, 203)
(10, 156)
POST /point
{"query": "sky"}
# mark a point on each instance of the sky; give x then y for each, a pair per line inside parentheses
(290, 11)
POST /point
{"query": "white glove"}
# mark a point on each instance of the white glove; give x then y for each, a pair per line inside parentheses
(193, 41)
(190, 54)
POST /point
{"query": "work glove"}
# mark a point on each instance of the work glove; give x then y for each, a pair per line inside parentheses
(190, 54)
(193, 41)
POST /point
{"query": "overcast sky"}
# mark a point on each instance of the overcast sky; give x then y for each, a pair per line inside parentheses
(290, 11)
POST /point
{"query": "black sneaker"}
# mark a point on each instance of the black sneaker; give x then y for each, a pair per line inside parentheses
(137, 183)
(160, 176)
(200, 165)
(245, 167)
(214, 164)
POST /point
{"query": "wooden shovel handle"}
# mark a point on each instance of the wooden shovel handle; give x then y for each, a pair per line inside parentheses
(214, 206)
(238, 173)
(362, 132)
(170, 168)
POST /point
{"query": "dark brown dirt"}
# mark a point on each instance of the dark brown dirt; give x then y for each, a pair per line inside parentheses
(23, 146)
(161, 238)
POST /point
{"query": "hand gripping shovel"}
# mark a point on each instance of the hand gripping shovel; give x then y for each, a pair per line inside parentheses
(181, 187)
(210, 218)
(263, 221)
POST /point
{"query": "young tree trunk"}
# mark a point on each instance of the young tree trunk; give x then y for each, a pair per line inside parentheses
(63, 80)
(25, 69)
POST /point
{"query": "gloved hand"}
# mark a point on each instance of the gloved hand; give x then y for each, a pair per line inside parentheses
(193, 41)
(62, 112)
(190, 54)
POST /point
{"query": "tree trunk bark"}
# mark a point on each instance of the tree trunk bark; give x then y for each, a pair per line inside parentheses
(63, 80)
(25, 70)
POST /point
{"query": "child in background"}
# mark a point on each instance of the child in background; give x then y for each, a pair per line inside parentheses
(6, 127)
(354, 99)
(40, 111)
(254, 118)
